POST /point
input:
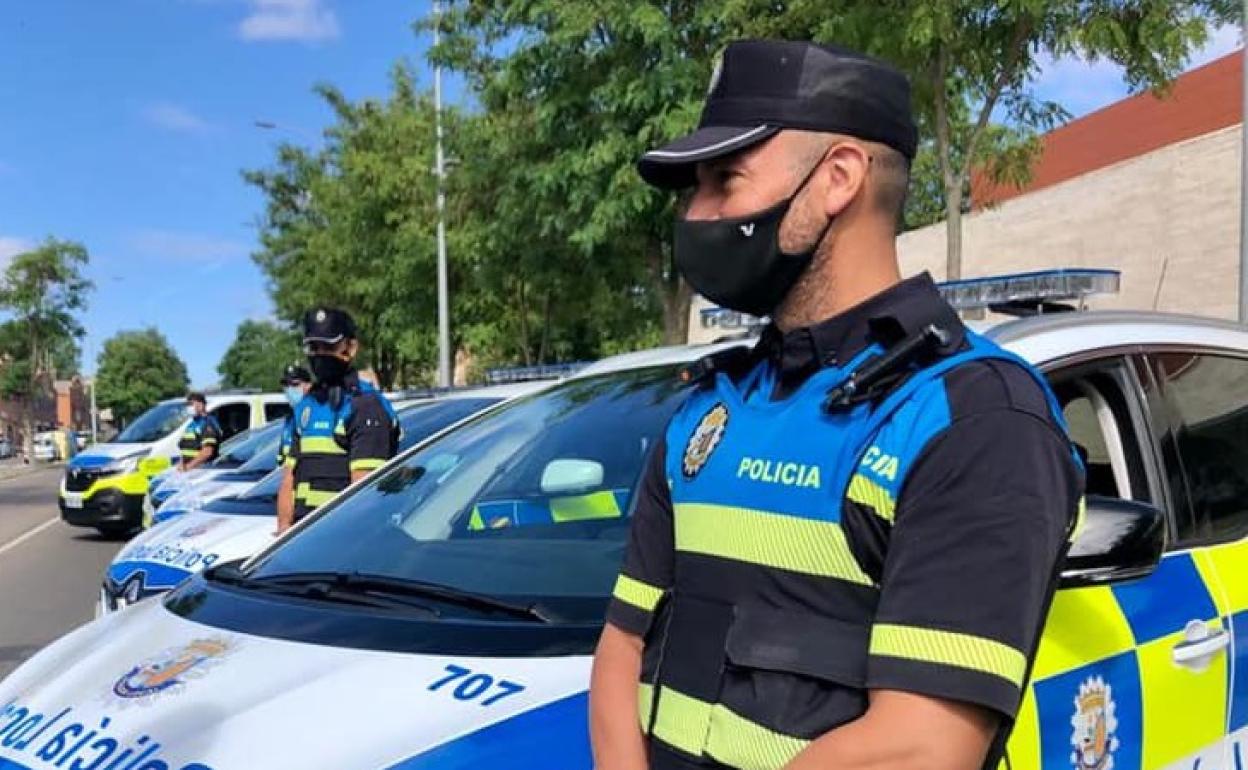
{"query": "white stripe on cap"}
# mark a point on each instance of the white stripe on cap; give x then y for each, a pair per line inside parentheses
(709, 148)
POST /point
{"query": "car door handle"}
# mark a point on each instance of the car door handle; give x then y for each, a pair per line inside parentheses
(1196, 653)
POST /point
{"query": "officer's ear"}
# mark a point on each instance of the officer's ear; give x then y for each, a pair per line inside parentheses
(845, 168)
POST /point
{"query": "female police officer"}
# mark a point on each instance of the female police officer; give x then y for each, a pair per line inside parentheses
(842, 553)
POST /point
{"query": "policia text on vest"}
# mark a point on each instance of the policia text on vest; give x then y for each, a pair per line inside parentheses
(842, 552)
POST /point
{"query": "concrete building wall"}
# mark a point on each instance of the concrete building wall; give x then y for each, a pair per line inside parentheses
(1175, 210)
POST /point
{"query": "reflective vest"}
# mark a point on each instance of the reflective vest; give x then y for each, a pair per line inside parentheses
(200, 432)
(543, 511)
(322, 465)
(761, 644)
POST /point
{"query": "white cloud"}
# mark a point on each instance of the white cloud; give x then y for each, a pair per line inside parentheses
(307, 21)
(11, 246)
(179, 246)
(175, 118)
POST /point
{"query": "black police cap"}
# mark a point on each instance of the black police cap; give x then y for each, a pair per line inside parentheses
(328, 325)
(295, 373)
(761, 87)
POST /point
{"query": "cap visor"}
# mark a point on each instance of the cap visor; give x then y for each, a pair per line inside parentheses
(326, 340)
(674, 166)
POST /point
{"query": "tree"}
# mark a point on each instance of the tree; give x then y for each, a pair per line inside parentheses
(44, 291)
(136, 370)
(261, 350)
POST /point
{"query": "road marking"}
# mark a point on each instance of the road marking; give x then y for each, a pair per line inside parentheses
(28, 534)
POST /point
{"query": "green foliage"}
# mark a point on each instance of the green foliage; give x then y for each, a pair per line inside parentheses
(261, 350)
(43, 291)
(137, 369)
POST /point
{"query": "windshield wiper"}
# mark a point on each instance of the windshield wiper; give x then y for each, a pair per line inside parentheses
(385, 585)
(322, 590)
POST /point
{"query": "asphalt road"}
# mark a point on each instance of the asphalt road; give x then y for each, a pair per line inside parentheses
(50, 572)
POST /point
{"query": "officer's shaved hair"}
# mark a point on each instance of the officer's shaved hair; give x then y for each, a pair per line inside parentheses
(888, 181)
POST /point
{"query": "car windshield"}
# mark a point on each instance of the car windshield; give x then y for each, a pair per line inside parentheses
(528, 500)
(419, 421)
(249, 444)
(154, 424)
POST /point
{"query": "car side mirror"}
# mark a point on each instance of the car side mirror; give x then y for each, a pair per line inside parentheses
(1120, 540)
(561, 476)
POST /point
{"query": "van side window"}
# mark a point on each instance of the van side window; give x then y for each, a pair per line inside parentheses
(1207, 398)
(234, 418)
(276, 411)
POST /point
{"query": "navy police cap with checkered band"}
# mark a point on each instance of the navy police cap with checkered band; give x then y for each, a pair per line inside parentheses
(761, 87)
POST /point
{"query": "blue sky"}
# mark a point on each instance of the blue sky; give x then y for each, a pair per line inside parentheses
(125, 124)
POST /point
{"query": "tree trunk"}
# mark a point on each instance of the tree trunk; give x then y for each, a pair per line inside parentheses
(543, 349)
(949, 177)
(524, 326)
(28, 428)
(674, 293)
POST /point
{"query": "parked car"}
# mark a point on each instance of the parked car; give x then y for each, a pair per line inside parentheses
(442, 614)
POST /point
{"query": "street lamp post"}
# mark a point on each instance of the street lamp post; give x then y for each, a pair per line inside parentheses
(444, 322)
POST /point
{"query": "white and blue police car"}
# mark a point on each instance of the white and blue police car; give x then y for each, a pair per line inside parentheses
(442, 614)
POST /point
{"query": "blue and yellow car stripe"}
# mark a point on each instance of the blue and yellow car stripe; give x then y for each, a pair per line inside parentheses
(1114, 678)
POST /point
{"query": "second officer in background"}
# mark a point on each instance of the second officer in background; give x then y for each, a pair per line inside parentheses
(296, 382)
(344, 428)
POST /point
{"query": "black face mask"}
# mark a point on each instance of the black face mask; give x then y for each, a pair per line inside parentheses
(737, 263)
(328, 369)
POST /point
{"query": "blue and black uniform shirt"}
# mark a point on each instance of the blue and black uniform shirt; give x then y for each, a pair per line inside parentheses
(200, 432)
(977, 532)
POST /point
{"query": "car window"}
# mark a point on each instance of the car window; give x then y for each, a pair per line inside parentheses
(1094, 401)
(276, 411)
(1207, 396)
(154, 424)
(234, 418)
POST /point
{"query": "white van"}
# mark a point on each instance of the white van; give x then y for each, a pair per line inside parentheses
(104, 486)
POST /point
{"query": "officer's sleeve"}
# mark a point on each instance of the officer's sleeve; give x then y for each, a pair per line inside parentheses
(211, 435)
(369, 435)
(288, 438)
(647, 570)
(980, 531)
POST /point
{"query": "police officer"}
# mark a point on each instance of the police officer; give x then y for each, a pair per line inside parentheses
(343, 428)
(843, 551)
(296, 382)
(202, 435)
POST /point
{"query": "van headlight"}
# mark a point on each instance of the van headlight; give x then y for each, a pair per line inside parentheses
(124, 465)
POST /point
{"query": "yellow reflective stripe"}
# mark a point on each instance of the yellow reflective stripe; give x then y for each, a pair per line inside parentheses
(322, 445)
(599, 505)
(1081, 515)
(641, 595)
(645, 704)
(865, 491)
(190, 452)
(189, 436)
(475, 522)
(313, 497)
(737, 742)
(289, 462)
(682, 721)
(697, 727)
(947, 648)
(340, 429)
(366, 464)
(773, 540)
(209, 440)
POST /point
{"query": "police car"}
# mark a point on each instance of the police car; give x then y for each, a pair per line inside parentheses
(244, 459)
(105, 485)
(443, 614)
(216, 520)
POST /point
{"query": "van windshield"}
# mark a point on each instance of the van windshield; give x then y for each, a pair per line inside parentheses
(529, 500)
(154, 424)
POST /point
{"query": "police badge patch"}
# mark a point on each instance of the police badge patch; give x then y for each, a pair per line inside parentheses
(303, 418)
(705, 438)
